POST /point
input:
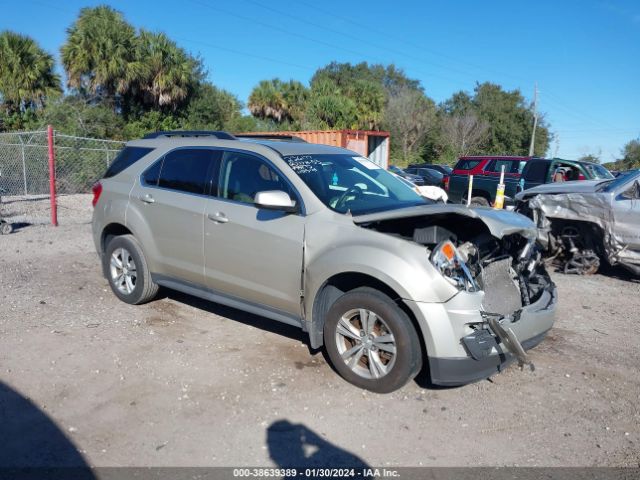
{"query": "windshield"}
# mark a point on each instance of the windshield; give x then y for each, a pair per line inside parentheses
(351, 183)
(598, 171)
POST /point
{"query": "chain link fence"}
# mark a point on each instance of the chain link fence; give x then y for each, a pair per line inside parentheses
(24, 175)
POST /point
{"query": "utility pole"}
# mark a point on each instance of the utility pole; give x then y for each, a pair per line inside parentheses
(535, 119)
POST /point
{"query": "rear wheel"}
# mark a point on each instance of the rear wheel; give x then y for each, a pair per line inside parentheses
(479, 202)
(127, 271)
(5, 228)
(371, 341)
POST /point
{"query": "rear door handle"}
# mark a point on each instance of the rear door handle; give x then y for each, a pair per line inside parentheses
(218, 217)
(147, 198)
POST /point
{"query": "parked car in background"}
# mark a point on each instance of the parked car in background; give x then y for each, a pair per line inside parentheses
(521, 173)
(415, 179)
(431, 192)
(445, 170)
(486, 176)
(430, 176)
(584, 223)
(321, 238)
(538, 171)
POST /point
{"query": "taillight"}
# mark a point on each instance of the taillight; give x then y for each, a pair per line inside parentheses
(445, 182)
(97, 190)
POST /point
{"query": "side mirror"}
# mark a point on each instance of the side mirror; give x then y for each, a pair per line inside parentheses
(633, 193)
(275, 200)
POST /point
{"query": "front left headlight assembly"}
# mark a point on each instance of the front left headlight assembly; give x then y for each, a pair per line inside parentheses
(448, 261)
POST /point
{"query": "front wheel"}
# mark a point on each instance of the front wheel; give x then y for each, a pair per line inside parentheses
(371, 341)
(127, 271)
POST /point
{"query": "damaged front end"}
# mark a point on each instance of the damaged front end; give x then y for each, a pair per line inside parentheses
(580, 231)
(505, 301)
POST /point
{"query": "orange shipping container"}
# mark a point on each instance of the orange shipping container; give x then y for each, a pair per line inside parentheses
(369, 143)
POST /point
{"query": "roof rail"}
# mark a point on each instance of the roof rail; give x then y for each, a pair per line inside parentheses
(271, 136)
(191, 133)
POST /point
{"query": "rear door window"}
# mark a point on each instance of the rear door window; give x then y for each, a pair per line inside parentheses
(127, 157)
(510, 166)
(189, 170)
(536, 171)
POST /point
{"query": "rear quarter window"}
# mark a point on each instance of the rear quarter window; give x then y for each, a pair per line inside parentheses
(467, 164)
(127, 157)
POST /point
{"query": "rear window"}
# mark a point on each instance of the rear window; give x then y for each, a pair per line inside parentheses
(467, 164)
(127, 157)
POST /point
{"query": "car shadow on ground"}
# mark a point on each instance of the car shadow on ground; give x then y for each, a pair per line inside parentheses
(294, 445)
(33, 446)
(257, 321)
(423, 379)
(618, 272)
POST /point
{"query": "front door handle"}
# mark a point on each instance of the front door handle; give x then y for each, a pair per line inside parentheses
(218, 217)
(147, 198)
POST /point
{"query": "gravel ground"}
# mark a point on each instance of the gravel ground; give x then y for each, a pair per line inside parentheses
(181, 382)
(36, 209)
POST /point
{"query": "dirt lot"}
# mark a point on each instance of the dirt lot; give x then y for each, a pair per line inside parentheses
(182, 382)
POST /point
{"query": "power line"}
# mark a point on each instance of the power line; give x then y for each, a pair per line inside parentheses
(305, 37)
(246, 54)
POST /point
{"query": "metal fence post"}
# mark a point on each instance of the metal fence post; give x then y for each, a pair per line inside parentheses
(52, 177)
(24, 165)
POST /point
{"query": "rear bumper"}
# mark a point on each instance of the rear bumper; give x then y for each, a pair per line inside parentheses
(450, 359)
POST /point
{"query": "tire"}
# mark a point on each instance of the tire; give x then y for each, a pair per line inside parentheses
(479, 202)
(124, 258)
(5, 228)
(344, 317)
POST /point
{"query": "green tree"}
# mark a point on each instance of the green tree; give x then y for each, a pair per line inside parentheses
(74, 115)
(27, 77)
(510, 120)
(281, 102)
(212, 108)
(410, 117)
(151, 121)
(345, 74)
(166, 73)
(631, 154)
(99, 54)
(590, 157)
(329, 108)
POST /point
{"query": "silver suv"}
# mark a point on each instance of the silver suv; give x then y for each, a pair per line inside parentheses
(324, 239)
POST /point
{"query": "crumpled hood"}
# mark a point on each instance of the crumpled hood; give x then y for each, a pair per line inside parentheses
(500, 222)
(576, 186)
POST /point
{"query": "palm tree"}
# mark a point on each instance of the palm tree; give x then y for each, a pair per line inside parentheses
(99, 53)
(267, 101)
(27, 74)
(279, 101)
(168, 74)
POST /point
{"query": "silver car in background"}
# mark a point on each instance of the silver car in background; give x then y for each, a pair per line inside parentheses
(588, 221)
(323, 239)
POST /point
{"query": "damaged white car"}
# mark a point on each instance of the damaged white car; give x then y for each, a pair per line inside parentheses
(585, 223)
(323, 239)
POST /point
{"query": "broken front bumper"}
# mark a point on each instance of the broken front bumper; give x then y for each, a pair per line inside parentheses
(460, 353)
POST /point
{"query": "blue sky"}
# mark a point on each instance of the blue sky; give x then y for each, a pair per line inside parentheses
(584, 55)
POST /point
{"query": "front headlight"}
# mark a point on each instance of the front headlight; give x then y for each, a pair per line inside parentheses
(448, 261)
